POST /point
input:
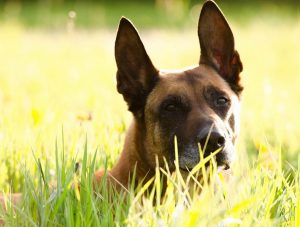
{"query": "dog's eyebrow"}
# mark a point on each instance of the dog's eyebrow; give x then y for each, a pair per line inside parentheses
(175, 98)
(217, 90)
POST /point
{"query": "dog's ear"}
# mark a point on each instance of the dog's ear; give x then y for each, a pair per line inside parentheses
(136, 75)
(217, 45)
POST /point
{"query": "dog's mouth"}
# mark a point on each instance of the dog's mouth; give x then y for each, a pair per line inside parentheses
(223, 166)
(220, 167)
(185, 169)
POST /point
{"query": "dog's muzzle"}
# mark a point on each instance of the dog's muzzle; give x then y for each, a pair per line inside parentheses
(210, 141)
(213, 141)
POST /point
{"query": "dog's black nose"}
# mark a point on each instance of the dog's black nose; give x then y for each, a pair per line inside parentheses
(211, 142)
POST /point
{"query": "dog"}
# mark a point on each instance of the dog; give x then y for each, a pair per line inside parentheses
(197, 105)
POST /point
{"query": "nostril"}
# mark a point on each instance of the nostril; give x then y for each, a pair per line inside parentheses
(221, 141)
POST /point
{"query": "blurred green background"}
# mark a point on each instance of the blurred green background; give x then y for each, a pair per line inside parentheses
(58, 91)
(49, 14)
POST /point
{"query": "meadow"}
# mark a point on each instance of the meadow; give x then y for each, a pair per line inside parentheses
(59, 106)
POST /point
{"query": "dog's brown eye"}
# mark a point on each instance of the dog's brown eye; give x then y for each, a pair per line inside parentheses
(174, 104)
(222, 101)
(171, 107)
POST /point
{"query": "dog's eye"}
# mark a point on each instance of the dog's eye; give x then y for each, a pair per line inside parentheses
(174, 104)
(222, 101)
(171, 107)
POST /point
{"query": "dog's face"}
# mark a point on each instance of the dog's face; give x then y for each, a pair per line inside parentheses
(200, 105)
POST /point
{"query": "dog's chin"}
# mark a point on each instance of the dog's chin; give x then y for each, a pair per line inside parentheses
(187, 170)
(220, 168)
(222, 165)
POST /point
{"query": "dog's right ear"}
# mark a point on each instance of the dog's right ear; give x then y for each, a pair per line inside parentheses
(217, 45)
(136, 75)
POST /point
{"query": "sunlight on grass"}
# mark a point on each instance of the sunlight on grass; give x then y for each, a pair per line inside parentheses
(62, 81)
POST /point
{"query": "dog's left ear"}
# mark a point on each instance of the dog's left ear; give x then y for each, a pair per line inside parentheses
(136, 75)
(217, 45)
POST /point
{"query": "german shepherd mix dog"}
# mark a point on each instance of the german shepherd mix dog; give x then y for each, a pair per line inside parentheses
(196, 105)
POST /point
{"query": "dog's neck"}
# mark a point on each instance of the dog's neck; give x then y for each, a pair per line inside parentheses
(132, 161)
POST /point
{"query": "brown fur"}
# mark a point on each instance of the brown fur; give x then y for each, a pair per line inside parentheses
(145, 89)
(186, 103)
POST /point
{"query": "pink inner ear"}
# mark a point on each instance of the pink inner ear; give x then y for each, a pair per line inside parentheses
(217, 57)
(221, 63)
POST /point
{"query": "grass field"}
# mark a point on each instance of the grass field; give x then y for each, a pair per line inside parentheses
(59, 105)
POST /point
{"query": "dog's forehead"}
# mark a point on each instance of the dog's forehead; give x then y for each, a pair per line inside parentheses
(199, 75)
(184, 81)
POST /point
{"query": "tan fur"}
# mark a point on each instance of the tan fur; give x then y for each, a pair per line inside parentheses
(170, 83)
(145, 88)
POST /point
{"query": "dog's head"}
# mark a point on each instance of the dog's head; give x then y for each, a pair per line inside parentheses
(198, 106)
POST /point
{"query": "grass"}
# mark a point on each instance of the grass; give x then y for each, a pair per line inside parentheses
(63, 82)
